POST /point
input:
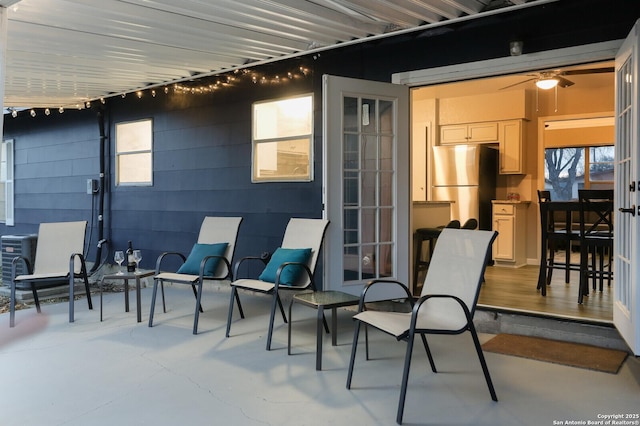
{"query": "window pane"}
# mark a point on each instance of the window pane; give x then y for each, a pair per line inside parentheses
(564, 172)
(283, 159)
(386, 117)
(369, 116)
(350, 114)
(282, 118)
(601, 163)
(351, 152)
(134, 136)
(134, 168)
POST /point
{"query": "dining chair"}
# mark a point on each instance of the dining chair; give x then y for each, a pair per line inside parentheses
(557, 230)
(429, 235)
(446, 305)
(596, 238)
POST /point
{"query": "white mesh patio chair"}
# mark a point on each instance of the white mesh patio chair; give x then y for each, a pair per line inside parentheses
(210, 259)
(291, 267)
(59, 257)
(446, 305)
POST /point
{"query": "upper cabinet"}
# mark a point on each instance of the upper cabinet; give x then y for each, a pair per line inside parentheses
(511, 147)
(468, 133)
(491, 118)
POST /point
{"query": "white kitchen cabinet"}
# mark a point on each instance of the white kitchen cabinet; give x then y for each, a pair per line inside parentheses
(469, 133)
(510, 220)
(510, 141)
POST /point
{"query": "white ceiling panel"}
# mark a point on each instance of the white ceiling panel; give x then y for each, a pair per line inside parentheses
(67, 52)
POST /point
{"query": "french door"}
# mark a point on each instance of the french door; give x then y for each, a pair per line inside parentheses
(366, 182)
(626, 304)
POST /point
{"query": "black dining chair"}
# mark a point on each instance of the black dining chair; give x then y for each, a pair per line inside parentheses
(429, 235)
(559, 233)
(596, 238)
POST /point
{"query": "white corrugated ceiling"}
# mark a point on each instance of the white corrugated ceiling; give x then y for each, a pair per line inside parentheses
(66, 52)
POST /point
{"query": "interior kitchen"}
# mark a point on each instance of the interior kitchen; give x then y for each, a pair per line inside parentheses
(521, 125)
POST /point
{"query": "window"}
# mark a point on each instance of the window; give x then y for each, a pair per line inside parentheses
(281, 140)
(134, 142)
(568, 169)
(6, 183)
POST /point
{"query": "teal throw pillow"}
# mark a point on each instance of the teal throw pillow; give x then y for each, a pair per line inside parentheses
(289, 275)
(192, 265)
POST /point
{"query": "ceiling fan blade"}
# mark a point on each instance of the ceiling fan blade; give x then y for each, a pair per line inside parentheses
(563, 82)
(589, 71)
(520, 82)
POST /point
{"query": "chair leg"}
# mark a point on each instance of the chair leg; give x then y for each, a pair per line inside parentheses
(71, 295)
(195, 293)
(12, 305)
(36, 300)
(153, 300)
(405, 377)
(483, 362)
(198, 308)
(164, 305)
(276, 302)
(426, 347)
(352, 359)
(234, 295)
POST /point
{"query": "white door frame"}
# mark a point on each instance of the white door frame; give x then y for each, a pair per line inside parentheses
(596, 52)
(335, 89)
(626, 302)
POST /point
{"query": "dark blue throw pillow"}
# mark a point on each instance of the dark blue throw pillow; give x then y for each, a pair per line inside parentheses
(289, 275)
(198, 252)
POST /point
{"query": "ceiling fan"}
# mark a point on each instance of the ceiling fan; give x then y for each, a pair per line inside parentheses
(555, 78)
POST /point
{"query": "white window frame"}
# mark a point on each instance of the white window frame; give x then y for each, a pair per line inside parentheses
(7, 178)
(141, 131)
(272, 128)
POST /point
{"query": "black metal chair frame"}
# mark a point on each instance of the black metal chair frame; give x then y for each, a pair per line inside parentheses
(596, 238)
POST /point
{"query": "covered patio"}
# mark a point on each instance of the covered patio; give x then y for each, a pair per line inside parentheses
(122, 372)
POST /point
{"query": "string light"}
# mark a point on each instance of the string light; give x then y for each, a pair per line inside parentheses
(223, 81)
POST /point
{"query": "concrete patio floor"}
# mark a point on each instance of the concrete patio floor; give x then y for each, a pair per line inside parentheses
(123, 372)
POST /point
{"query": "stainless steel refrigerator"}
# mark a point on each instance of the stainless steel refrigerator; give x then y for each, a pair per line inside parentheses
(466, 175)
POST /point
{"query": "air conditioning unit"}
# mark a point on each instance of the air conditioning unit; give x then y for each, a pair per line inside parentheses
(17, 245)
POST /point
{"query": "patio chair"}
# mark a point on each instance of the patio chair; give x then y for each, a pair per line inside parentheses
(59, 257)
(210, 259)
(446, 305)
(290, 267)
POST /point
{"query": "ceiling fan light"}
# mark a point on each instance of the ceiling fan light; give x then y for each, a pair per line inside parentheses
(547, 83)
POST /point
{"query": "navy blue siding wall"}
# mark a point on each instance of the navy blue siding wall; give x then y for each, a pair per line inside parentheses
(202, 143)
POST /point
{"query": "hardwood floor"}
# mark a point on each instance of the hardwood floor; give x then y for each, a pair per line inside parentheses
(515, 289)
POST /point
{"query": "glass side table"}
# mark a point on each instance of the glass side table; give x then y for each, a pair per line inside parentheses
(322, 300)
(126, 276)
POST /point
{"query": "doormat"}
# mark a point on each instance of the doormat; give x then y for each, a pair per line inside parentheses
(565, 353)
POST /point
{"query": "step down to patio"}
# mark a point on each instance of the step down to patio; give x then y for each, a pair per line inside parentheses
(569, 330)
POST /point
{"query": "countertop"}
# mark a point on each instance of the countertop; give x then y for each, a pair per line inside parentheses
(510, 202)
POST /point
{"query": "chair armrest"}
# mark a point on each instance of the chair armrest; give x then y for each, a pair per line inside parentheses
(423, 299)
(303, 265)
(72, 264)
(204, 261)
(387, 282)
(25, 263)
(165, 254)
(246, 258)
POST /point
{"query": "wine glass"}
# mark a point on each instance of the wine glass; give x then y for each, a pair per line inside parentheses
(118, 256)
(137, 256)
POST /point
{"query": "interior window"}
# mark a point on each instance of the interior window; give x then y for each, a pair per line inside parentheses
(568, 169)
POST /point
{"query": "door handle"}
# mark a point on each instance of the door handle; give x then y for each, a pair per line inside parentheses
(632, 210)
